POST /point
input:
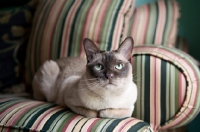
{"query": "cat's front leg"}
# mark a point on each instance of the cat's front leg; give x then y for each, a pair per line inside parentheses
(115, 113)
(84, 111)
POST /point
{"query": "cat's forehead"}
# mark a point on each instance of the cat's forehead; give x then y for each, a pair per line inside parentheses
(108, 56)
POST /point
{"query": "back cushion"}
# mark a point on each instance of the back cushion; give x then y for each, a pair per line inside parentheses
(60, 26)
(155, 23)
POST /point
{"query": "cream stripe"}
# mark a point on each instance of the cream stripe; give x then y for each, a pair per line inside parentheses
(135, 26)
(40, 121)
(121, 21)
(34, 37)
(167, 91)
(161, 22)
(49, 30)
(107, 125)
(122, 124)
(129, 125)
(146, 21)
(12, 111)
(174, 26)
(101, 125)
(127, 19)
(92, 18)
(67, 27)
(158, 88)
(152, 92)
(72, 123)
(88, 124)
(142, 88)
(80, 124)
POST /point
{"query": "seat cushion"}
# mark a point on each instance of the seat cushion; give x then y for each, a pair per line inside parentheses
(30, 115)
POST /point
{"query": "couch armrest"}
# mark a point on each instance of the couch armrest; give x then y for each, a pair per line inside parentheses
(168, 83)
(26, 114)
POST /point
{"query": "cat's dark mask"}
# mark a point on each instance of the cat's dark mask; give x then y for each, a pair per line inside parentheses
(104, 64)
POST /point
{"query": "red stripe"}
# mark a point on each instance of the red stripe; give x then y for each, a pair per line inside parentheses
(147, 16)
(91, 126)
(125, 125)
(86, 25)
(66, 126)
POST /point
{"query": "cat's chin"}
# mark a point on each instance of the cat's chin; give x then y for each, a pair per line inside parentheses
(110, 86)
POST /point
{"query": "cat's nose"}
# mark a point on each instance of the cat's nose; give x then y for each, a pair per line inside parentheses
(109, 76)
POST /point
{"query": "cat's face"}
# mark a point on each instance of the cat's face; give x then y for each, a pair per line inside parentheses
(109, 70)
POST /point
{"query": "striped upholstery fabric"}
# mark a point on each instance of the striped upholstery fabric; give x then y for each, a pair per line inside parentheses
(168, 85)
(155, 23)
(19, 114)
(60, 26)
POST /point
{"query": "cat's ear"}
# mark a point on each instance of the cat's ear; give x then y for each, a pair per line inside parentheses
(126, 48)
(90, 48)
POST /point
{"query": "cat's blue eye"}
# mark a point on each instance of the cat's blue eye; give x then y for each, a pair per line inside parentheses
(98, 67)
(119, 66)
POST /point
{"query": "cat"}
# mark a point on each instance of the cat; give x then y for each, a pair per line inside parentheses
(99, 86)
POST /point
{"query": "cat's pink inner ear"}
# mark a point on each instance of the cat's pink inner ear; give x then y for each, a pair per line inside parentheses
(126, 47)
(90, 48)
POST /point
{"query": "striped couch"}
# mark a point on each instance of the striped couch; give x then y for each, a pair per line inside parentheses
(167, 78)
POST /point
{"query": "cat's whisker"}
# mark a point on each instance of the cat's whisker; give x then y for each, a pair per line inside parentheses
(88, 79)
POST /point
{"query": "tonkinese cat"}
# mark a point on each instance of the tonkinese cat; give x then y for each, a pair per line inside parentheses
(100, 86)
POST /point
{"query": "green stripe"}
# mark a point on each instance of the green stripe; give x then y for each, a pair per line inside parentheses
(78, 30)
(169, 22)
(71, 38)
(139, 127)
(40, 35)
(113, 25)
(59, 29)
(152, 25)
(59, 128)
(53, 118)
(23, 120)
(107, 24)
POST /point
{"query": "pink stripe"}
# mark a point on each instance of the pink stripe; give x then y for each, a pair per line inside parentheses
(49, 30)
(42, 116)
(161, 22)
(192, 89)
(98, 26)
(7, 110)
(152, 93)
(146, 22)
(67, 28)
(21, 112)
(87, 25)
(101, 20)
(66, 127)
(182, 89)
(33, 42)
(134, 26)
(91, 125)
(122, 127)
(174, 27)
(118, 30)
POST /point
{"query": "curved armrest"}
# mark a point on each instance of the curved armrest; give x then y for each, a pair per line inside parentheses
(169, 86)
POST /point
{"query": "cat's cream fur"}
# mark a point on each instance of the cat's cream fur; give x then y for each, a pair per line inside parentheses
(67, 82)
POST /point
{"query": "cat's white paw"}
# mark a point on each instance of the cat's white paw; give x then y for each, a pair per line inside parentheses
(50, 68)
(103, 113)
(91, 114)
